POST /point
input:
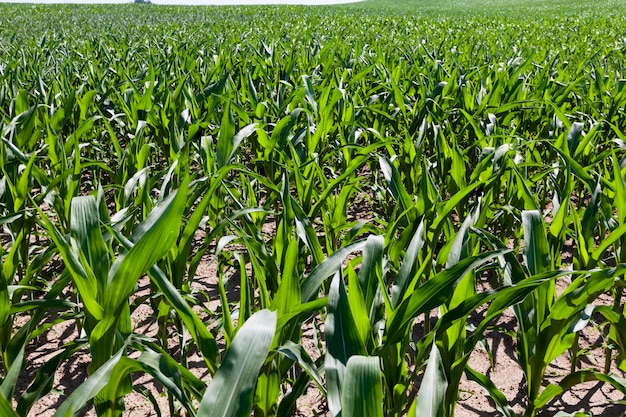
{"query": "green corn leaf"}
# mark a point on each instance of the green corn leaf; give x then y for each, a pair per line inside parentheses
(605, 244)
(406, 275)
(460, 250)
(183, 248)
(84, 278)
(310, 92)
(452, 341)
(556, 332)
(431, 294)
(620, 190)
(11, 260)
(573, 379)
(560, 221)
(362, 393)
(342, 342)
(537, 256)
(162, 225)
(359, 310)
(199, 333)
(396, 187)
(23, 185)
(225, 141)
(73, 405)
(7, 385)
(297, 354)
(5, 301)
(6, 408)
(523, 189)
(160, 366)
(44, 379)
(243, 134)
(171, 374)
(591, 215)
(42, 304)
(306, 232)
(583, 255)
(577, 169)
(231, 391)
(536, 249)
(303, 311)
(574, 136)
(288, 294)
(228, 326)
(326, 269)
(371, 268)
(430, 400)
(496, 395)
(341, 179)
(451, 204)
(288, 403)
(85, 228)
(617, 332)
(501, 299)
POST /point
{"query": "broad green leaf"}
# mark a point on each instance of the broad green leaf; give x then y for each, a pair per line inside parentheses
(556, 332)
(409, 268)
(536, 250)
(606, 243)
(574, 136)
(326, 269)
(306, 232)
(431, 294)
(231, 391)
(225, 142)
(298, 354)
(6, 408)
(198, 330)
(85, 228)
(5, 301)
(371, 270)
(162, 225)
(78, 399)
(538, 260)
(430, 400)
(358, 308)
(496, 395)
(244, 133)
(397, 188)
(162, 368)
(342, 342)
(288, 295)
(23, 185)
(7, 385)
(573, 379)
(44, 379)
(83, 277)
(362, 394)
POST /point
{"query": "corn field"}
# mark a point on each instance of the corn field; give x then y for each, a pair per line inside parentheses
(372, 185)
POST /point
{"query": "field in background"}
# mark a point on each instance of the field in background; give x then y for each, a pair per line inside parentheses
(346, 200)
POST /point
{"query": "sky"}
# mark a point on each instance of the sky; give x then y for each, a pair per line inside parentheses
(192, 2)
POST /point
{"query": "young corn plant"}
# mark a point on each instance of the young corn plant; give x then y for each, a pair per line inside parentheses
(104, 283)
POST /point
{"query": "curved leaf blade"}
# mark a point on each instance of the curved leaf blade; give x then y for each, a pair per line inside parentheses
(231, 392)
